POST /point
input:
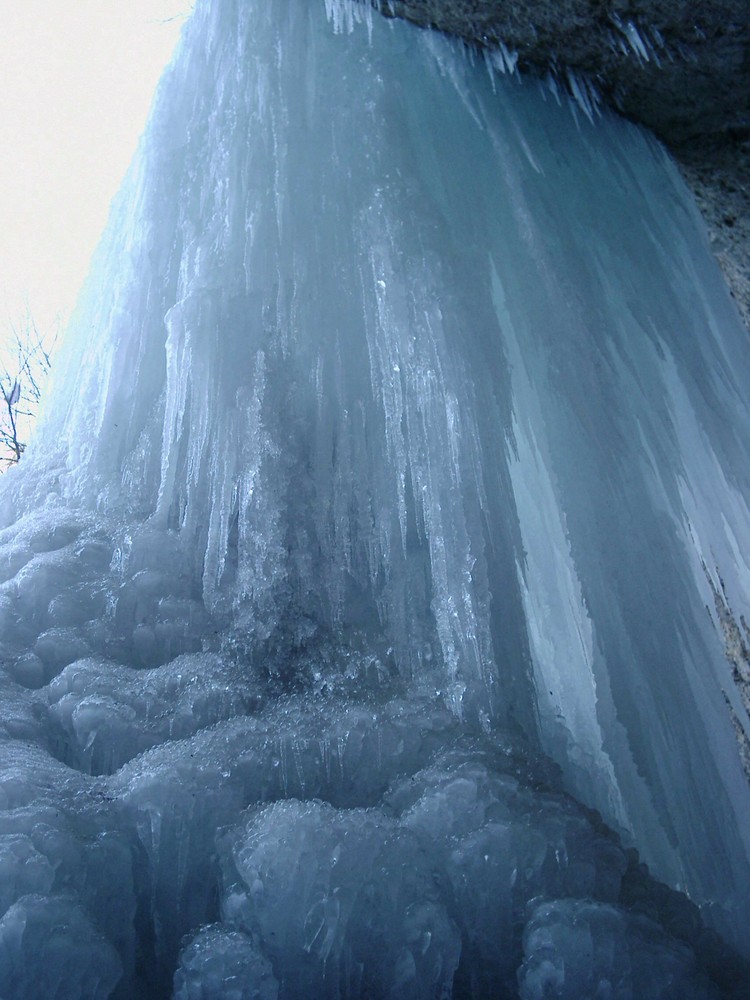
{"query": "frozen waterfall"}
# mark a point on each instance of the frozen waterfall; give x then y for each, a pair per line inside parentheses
(357, 608)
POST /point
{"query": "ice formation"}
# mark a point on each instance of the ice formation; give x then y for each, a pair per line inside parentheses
(366, 547)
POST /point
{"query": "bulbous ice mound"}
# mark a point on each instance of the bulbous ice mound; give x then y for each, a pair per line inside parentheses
(392, 453)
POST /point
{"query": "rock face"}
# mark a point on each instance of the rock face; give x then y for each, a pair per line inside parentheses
(680, 68)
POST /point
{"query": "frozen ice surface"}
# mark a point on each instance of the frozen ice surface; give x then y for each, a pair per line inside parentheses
(501, 844)
(109, 713)
(49, 948)
(362, 894)
(218, 962)
(575, 948)
(365, 548)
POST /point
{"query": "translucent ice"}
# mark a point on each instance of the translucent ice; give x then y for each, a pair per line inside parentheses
(346, 902)
(582, 949)
(49, 948)
(365, 549)
(223, 963)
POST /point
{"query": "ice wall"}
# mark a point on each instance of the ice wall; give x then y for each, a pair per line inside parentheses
(397, 436)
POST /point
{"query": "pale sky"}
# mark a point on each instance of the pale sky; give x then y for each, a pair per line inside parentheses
(76, 82)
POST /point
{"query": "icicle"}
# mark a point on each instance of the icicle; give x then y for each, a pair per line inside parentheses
(584, 94)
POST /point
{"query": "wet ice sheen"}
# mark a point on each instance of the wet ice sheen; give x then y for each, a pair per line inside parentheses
(366, 537)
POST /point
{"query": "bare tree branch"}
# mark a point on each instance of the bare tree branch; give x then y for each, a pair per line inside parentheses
(23, 374)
